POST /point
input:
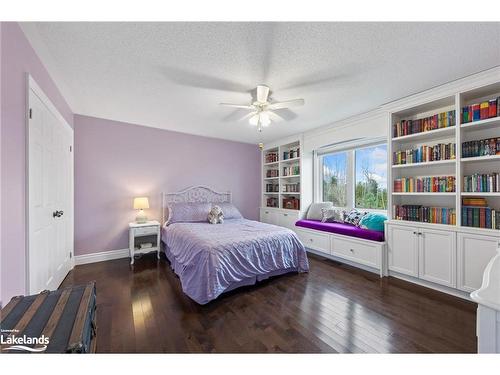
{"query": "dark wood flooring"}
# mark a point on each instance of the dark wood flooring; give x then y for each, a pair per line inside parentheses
(333, 308)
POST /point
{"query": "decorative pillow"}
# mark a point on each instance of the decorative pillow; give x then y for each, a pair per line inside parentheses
(354, 217)
(373, 221)
(314, 211)
(216, 216)
(188, 212)
(332, 215)
(230, 211)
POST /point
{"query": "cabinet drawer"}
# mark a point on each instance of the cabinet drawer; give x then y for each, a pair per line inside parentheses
(146, 231)
(288, 219)
(355, 251)
(315, 241)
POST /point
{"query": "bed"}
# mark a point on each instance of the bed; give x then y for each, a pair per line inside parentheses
(211, 259)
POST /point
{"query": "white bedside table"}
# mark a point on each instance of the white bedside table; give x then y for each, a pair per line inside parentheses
(148, 232)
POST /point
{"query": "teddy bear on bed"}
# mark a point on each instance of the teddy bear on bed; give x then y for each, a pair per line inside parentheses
(216, 216)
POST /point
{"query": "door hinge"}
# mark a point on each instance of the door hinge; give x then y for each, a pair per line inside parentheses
(31, 113)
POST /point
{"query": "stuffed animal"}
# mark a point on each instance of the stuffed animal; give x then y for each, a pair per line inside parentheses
(216, 216)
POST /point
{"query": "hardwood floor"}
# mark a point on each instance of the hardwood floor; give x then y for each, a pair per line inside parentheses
(333, 308)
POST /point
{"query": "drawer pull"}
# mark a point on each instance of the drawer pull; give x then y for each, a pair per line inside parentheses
(310, 239)
(267, 212)
(351, 250)
(285, 214)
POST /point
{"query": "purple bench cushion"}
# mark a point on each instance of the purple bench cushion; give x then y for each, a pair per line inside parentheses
(341, 228)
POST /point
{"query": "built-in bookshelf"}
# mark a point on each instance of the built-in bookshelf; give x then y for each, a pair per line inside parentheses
(282, 176)
(445, 161)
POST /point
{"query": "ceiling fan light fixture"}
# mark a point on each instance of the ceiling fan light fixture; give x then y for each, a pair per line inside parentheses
(254, 120)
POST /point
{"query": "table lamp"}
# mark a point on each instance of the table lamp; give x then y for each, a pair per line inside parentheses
(141, 203)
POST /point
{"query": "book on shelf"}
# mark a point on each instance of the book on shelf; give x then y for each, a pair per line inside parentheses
(424, 214)
(272, 202)
(272, 188)
(272, 173)
(482, 183)
(480, 217)
(483, 147)
(424, 153)
(291, 203)
(437, 121)
(292, 153)
(428, 184)
(271, 157)
(481, 111)
(290, 188)
(291, 170)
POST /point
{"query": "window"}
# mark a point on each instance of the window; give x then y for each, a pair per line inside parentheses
(335, 179)
(354, 178)
(371, 177)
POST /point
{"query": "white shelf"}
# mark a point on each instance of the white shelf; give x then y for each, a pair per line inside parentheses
(481, 158)
(431, 134)
(426, 193)
(288, 161)
(269, 193)
(489, 123)
(291, 176)
(270, 178)
(425, 164)
(289, 193)
(479, 194)
(272, 163)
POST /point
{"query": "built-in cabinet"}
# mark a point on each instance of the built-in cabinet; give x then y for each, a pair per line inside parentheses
(451, 258)
(281, 217)
(474, 253)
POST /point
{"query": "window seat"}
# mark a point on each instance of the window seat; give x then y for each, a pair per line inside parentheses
(341, 228)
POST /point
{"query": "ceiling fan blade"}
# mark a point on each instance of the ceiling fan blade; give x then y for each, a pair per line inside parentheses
(286, 114)
(286, 104)
(275, 117)
(262, 93)
(237, 105)
(248, 115)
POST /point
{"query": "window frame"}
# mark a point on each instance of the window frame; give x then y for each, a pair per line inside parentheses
(350, 174)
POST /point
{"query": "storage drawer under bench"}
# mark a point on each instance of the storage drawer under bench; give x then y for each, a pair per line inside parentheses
(315, 241)
(355, 250)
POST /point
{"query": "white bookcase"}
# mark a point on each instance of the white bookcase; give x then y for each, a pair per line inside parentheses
(449, 257)
(283, 198)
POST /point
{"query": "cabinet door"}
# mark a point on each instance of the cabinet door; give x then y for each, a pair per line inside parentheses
(403, 249)
(268, 216)
(287, 219)
(474, 253)
(437, 256)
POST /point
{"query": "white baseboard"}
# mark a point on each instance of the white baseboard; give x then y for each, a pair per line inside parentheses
(101, 257)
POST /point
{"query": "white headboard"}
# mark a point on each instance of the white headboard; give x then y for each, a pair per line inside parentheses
(193, 194)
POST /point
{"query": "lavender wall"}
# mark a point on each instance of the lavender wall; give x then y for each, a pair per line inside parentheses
(116, 161)
(18, 58)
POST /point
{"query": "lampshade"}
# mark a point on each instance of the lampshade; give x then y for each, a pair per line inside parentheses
(141, 203)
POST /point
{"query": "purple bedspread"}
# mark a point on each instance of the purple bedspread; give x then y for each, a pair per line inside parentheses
(212, 259)
(341, 228)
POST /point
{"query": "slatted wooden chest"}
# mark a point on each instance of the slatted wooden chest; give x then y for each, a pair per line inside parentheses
(61, 321)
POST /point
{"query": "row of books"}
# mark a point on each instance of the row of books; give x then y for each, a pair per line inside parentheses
(484, 183)
(481, 111)
(271, 157)
(272, 173)
(272, 202)
(441, 151)
(292, 153)
(272, 188)
(483, 147)
(423, 214)
(291, 170)
(291, 203)
(431, 184)
(290, 188)
(480, 217)
(437, 121)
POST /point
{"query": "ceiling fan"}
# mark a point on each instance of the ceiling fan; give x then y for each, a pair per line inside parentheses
(262, 109)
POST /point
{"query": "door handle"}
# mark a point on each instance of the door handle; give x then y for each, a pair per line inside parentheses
(57, 213)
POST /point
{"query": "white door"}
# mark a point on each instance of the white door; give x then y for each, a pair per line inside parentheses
(474, 253)
(403, 249)
(50, 197)
(437, 256)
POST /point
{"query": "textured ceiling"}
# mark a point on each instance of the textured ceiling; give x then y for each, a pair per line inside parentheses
(173, 75)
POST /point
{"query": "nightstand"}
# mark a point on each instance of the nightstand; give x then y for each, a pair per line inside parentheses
(144, 238)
